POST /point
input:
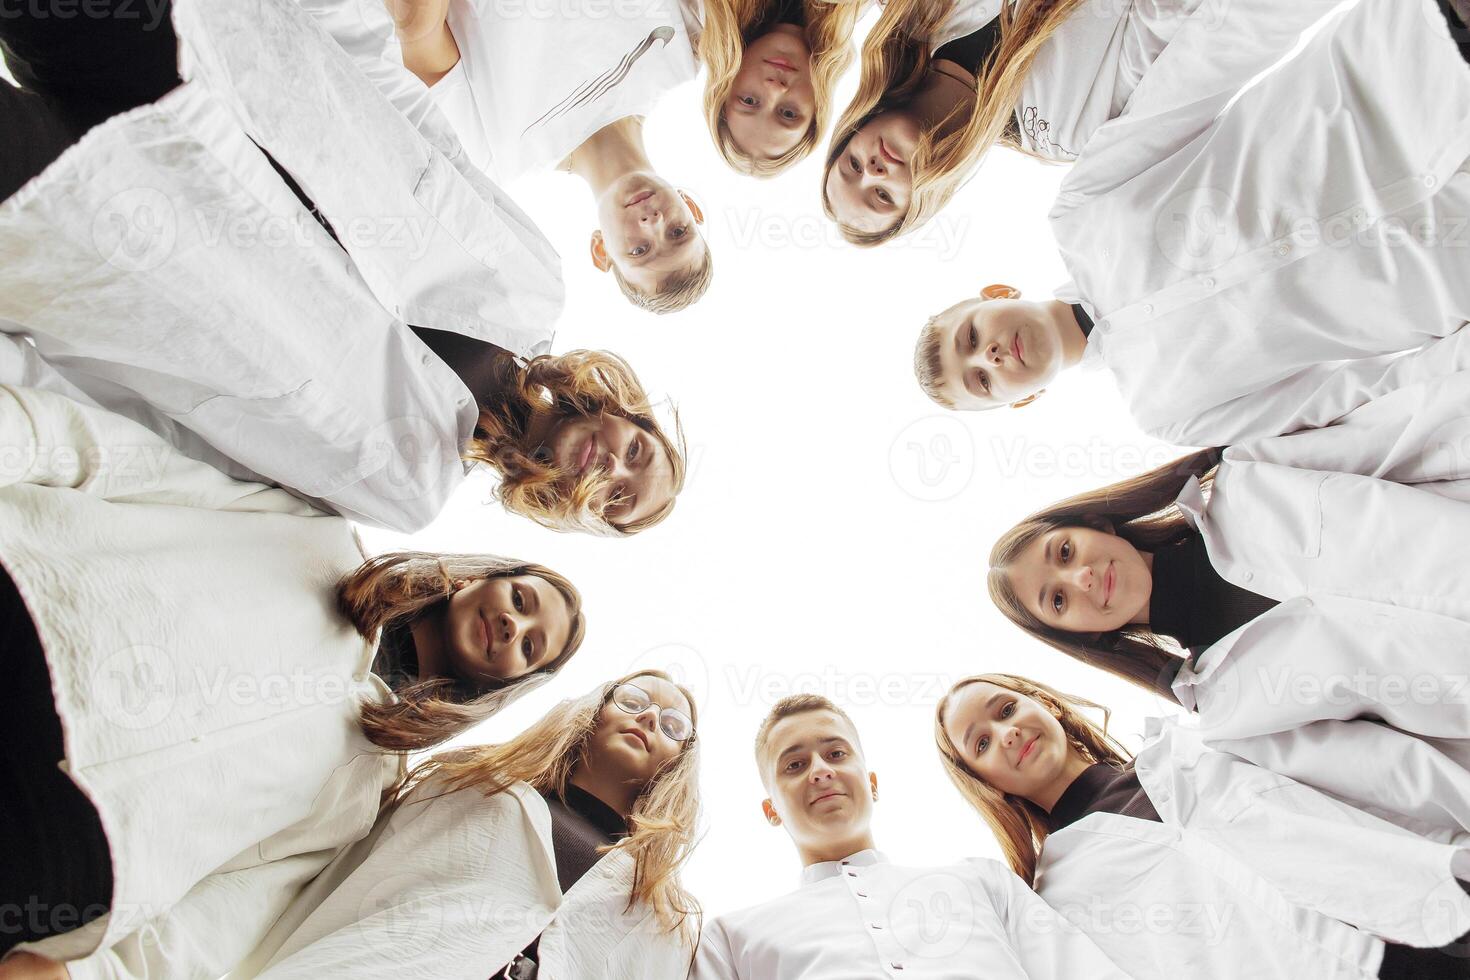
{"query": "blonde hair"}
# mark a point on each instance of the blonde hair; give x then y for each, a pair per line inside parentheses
(896, 58)
(665, 816)
(795, 704)
(578, 384)
(728, 27)
(928, 367)
(394, 589)
(1019, 825)
(679, 291)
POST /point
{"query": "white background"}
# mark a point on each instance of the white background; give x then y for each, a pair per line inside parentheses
(834, 530)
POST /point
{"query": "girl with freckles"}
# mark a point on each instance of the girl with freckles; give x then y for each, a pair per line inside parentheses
(1184, 860)
(211, 689)
(1279, 603)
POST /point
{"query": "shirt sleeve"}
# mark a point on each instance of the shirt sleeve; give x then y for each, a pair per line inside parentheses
(1046, 944)
(1319, 395)
(210, 930)
(714, 960)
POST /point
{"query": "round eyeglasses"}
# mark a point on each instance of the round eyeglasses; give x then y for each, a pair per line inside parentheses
(671, 721)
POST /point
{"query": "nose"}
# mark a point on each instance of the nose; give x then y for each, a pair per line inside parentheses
(651, 216)
(994, 354)
(820, 771)
(876, 165)
(775, 81)
(506, 628)
(1082, 577)
(648, 717)
(1011, 737)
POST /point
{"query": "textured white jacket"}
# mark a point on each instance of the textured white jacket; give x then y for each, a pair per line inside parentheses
(208, 688)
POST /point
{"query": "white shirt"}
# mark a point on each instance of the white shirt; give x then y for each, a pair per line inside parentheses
(863, 918)
(1224, 258)
(536, 78)
(164, 268)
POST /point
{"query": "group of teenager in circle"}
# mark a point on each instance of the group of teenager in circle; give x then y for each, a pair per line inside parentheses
(224, 751)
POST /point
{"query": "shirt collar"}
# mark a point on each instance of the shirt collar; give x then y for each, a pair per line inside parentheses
(823, 870)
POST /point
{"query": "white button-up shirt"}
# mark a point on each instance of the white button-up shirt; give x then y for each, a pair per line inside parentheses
(863, 918)
(164, 268)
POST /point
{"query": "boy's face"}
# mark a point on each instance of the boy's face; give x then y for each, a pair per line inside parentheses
(820, 788)
(996, 351)
(648, 230)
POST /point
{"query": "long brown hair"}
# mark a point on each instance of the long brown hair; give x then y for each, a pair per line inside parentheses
(1019, 825)
(578, 384)
(1141, 511)
(394, 589)
(665, 817)
(896, 57)
(729, 25)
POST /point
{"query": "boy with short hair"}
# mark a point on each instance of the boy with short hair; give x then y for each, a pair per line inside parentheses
(858, 916)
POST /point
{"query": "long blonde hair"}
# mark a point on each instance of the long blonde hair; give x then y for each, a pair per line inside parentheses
(896, 58)
(665, 817)
(577, 384)
(728, 26)
(392, 590)
(1019, 825)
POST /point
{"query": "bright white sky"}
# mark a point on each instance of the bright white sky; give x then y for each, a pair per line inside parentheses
(833, 533)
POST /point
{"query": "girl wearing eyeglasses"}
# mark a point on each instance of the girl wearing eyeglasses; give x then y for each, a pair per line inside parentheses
(556, 854)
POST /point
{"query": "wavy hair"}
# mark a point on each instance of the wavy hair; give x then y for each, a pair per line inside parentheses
(895, 60)
(396, 588)
(729, 25)
(1018, 824)
(1142, 512)
(578, 384)
(665, 817)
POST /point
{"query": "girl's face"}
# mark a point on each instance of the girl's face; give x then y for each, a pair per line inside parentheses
(632, 747)
(1080, 580)
(771, 103)
(499, 629)
(1012, 742)
(870, 181)
(639, 467)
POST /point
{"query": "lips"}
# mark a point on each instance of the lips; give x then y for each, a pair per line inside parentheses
(827, 796)
(485, 634)
(1017, 349)
(638, 198)
(1110, 580)
(780, 63)
(1026, 749)
(588, 454)
(888, 154)
(639, 735)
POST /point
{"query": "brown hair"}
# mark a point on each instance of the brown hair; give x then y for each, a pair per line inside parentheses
(1141, 511)
(677, 292)
(1019, 825)
(729, 25)
(580, 383)
(928, 368)
(665, 817)
(794, 704)
(394, 589)
(896, 57)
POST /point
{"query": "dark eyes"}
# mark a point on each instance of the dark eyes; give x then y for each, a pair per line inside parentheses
(527, 648)
(1005, 712)
(1065, 552)
(852, 162)
(790, 115)
(974, 339)
(1056, 602)
(517, 600)
(983, 380)
(836, 755)
(749, 100)
(884, 196)
(638, 250)
(679, 232)
(635, 449)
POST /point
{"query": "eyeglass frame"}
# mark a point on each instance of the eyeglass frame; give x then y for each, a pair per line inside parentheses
(659, 710)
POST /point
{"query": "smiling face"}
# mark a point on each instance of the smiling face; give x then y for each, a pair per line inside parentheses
(1010, 741)
(821, 791)
(499, 629)
(648, 230)
(1081, 580)
(996, 351)
(629, 747)
(637, 465)
(771, 103)
(870, 182)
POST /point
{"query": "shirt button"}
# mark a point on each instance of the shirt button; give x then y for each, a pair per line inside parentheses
(874, 925)
(1148, 309)
(896, 966)
(197, 738)
(1248, 576)
(1360, 218)
(1283, 248)
(425, 358)
(862, 894)
(1209, 282)
(852, 874)
(1430, 180)
(360, 676)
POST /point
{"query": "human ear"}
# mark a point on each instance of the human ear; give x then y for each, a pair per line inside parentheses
(694, 208)
(599, 252)
(1022, 403)
(873, 785)
(772, 817)
(1000, 290)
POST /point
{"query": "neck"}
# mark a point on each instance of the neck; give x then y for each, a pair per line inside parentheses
(610, 154)
(836, 850)
(946, 98)
(1074, 767)
(1069, 332)
(618, 794)
(428, 642)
